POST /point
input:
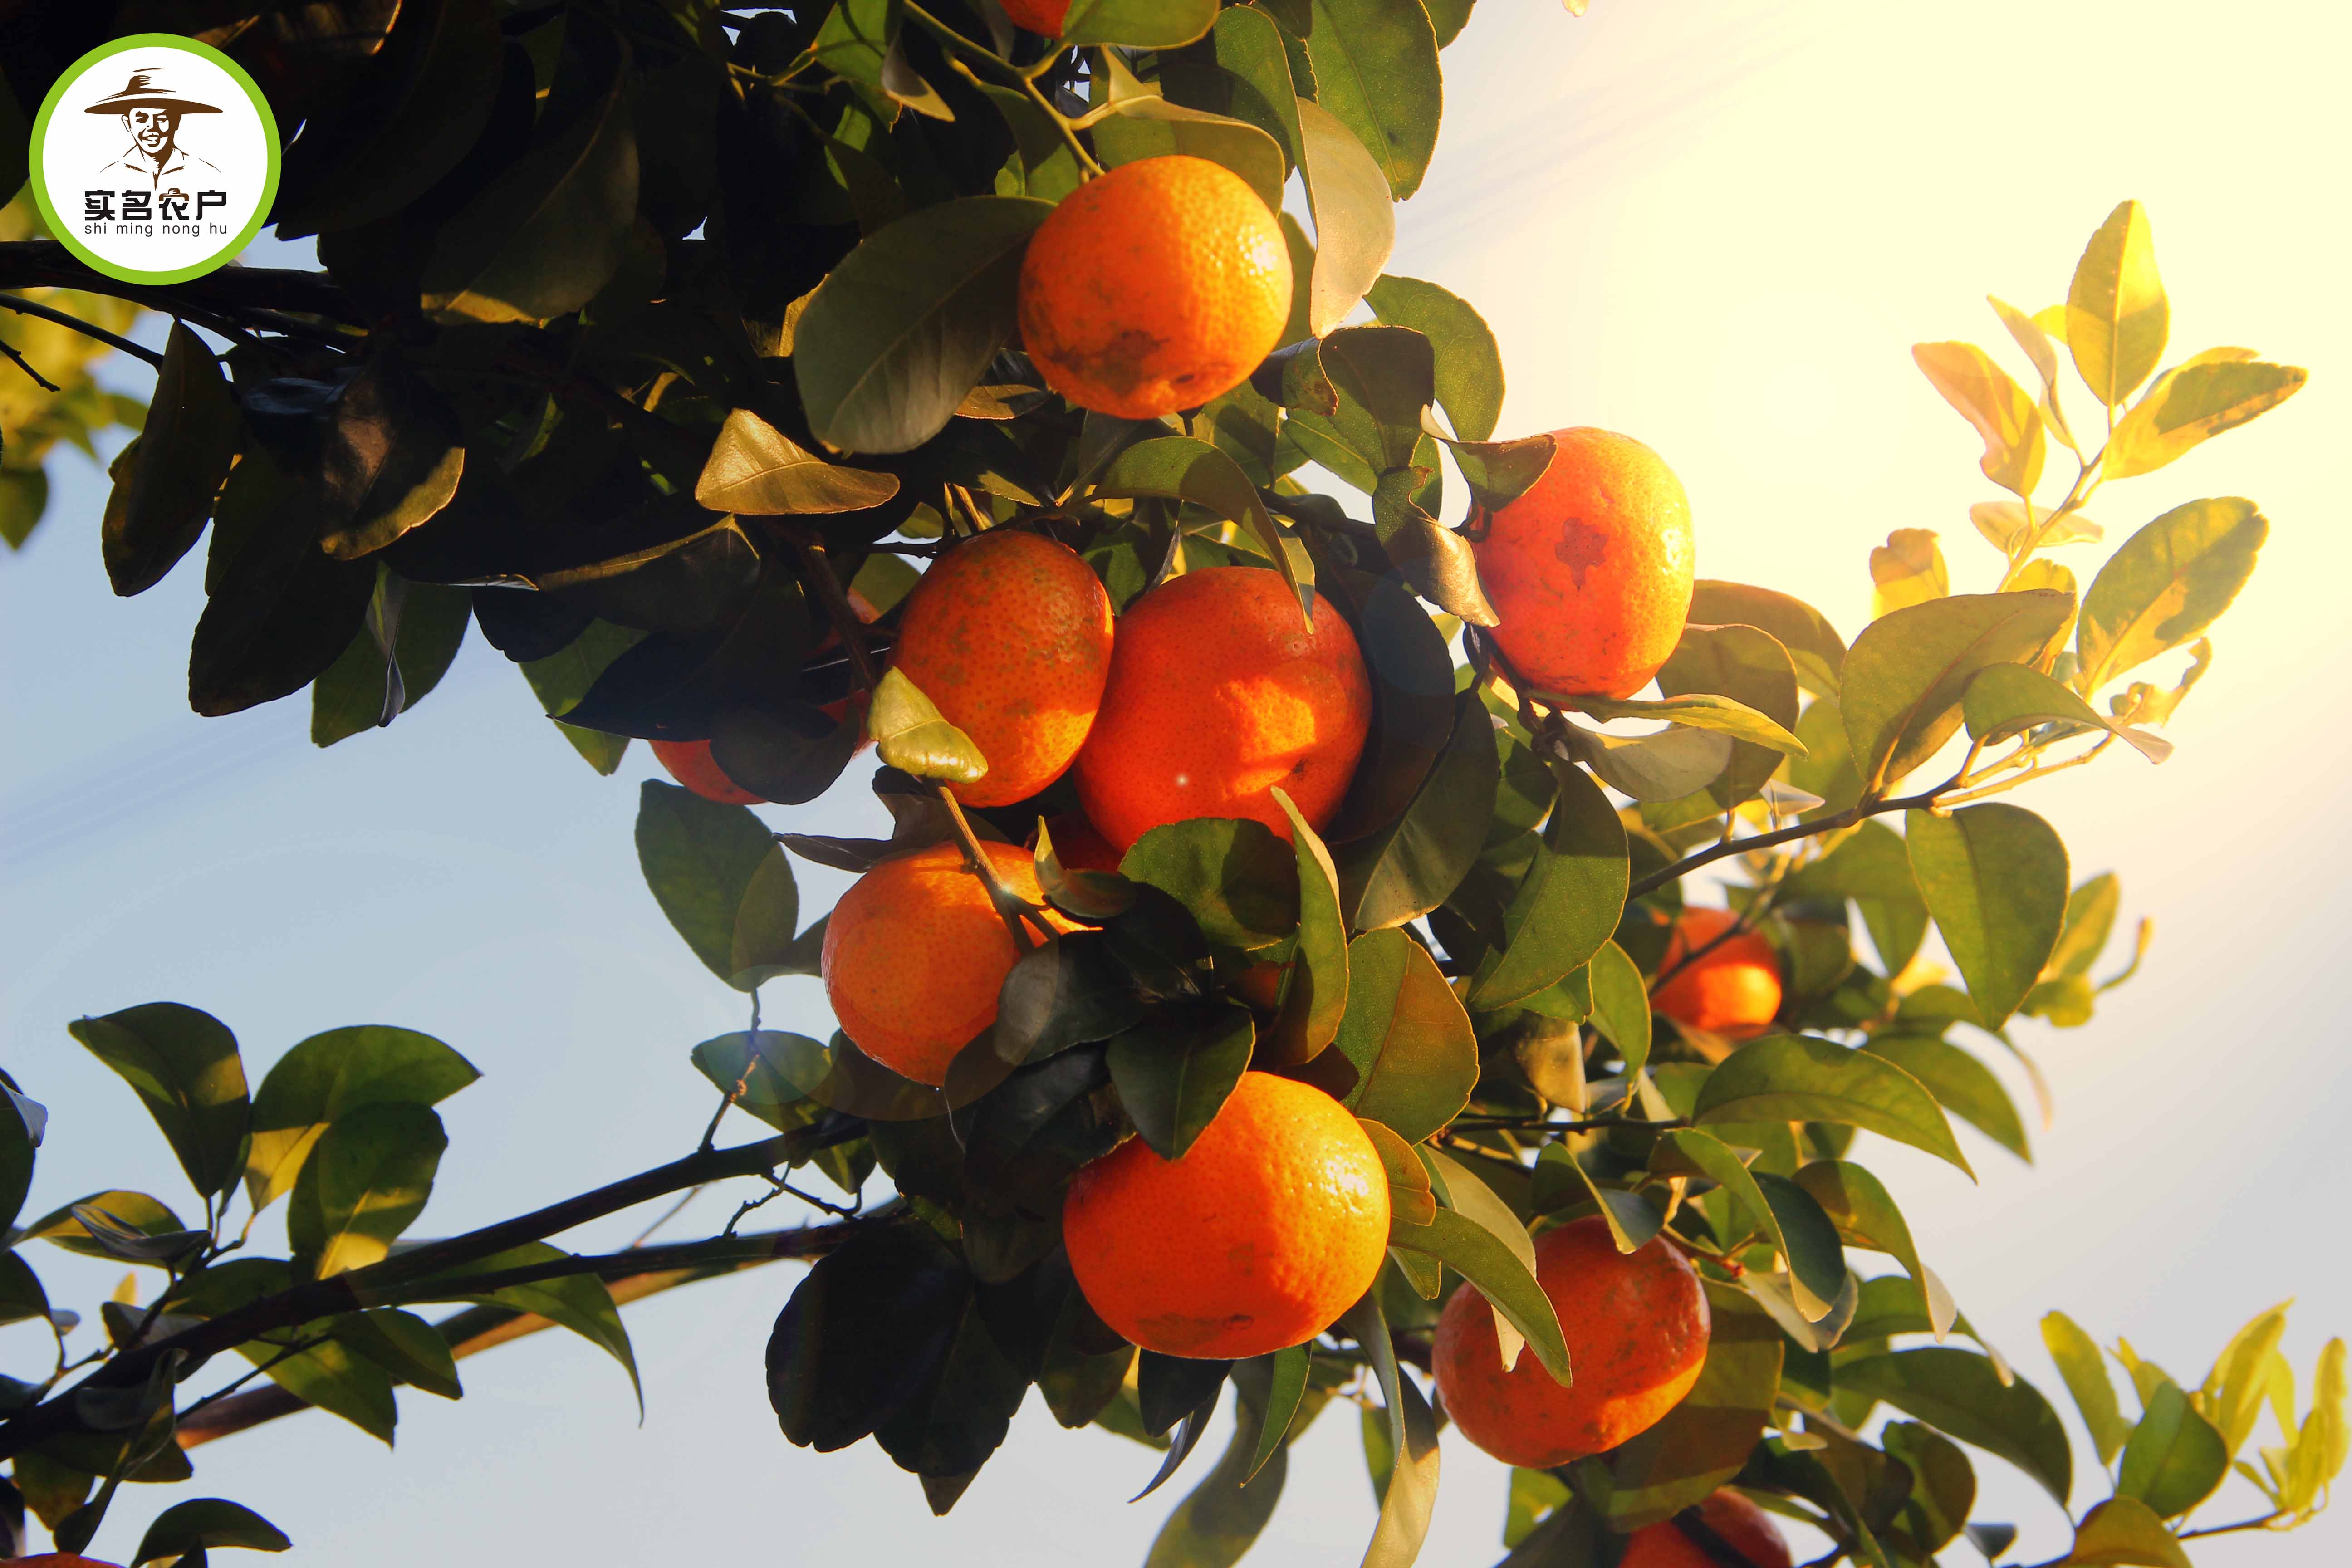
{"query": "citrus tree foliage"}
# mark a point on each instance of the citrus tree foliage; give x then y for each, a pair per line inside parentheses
(650, 338)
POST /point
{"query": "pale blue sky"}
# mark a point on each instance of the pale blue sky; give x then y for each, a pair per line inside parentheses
(1715, 226)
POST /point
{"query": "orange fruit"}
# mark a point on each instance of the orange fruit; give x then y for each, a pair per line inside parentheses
(1041, 17)
(1732, 990)
(1154, 287)
(1008, 635)
(1218, 693)
(691, 764)
(1273, 1224)
(915, 954)
(1747, 1529)
(1636, 1326)
(1589, 570)
(1077, 846)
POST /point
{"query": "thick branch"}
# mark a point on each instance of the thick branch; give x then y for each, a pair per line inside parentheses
(633, 1275)
(35, 307)
(46, 264)
(381, 1282)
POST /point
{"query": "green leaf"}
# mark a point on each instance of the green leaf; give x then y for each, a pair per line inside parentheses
(1237, 877)
(1410, 1492)
(334, 1378)
(2117, 316)
(1221, 1519)
(897, 333)
(362, 689)
(2218, 390)
(1469, 366)
(1699, 711)
(562, 679)
(121, 1216)
(185, 1066)
(699, 858)
(1287, 1375)
(1670, 765)
(1872, 868)
(2165, 584)
(1750, 667)
(544, 235)
(200, 1524)
(2005, 700)
(1960, 1083)
(1620, 1005)
(1315, 992)
(2123, 1530)
(1570, 900)
(1376, 71)
(1355, 224)
(757, 470)
(405, 1345)
(1414, 863)
(1633, 1220)
(367, 1179)
(1242, 70)
(1138, 23)
(1994, 877)
(580, 1303)
(1501, 1276)
(2003, 413)
(1907, 673)
(1796, 1077)
(1960, 1394)
(2091, 912)
(1812, 645)
(1703, 1440)
(21, 1124)
(1686, 1151)
(2175, 1458)
(165, 494)
(1140, 127)
(1174, 1071)
(2086, 1372)
(1405, 1034)
(334, 1072)
(1180, 467)
(1858, 1203)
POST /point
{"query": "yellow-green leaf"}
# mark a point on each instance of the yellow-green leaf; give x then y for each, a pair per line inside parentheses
(2086, 1372)
(2123, 1532)
(2218, 390)
(910, 735)
(2117, 316)
(2165, 583)
(2003, 413)
(1909, 569)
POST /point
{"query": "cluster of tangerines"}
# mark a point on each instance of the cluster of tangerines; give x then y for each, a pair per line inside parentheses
(1153, 289)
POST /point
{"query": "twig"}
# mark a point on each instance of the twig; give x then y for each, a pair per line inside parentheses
(21, 362)
(1846, 818)
(836, 600)
(1010, 908)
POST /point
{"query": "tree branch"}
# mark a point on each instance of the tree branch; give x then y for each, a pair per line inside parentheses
(33, 308)
(379, 1283)
(648, 1271)
(46, 264)
(1730, 846)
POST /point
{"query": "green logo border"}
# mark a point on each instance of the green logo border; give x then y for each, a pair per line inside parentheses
(64, 233)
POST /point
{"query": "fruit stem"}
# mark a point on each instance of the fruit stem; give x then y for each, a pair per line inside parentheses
(838, 608)
(1010, 908)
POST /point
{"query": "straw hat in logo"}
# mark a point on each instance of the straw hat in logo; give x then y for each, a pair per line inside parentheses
(146, 90)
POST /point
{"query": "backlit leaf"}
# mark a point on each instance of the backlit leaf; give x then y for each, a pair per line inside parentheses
(2086, 1372)
(1995, 878)
(1959, 1393)
(911, 734)
(1406, 1036)
(368, 1177)
(1355, 224)
(2195, 403)
(757, 470)
(2003, 413)
(2116, 315)
(185, 1066)
(330, 1073)
(2165, 584)
(1796, 1077)
(1376, 71)
(1907, 673)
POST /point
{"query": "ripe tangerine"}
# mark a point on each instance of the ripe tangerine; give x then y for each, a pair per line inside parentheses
(1044, 17)
(691, 764)
(1272, 1224)
(1747, 1529)
(1218, 694)
(1732, 989)
(1636, 1326)
(1156, 287)
(1591, 570)
(1008, 635)
(915, 954)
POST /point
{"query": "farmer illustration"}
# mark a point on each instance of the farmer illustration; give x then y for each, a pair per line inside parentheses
(150, 112)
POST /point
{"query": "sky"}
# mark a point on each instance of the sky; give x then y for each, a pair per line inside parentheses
(1715, 226)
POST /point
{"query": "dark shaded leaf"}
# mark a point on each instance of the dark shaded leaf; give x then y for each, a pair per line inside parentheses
(327, 1074)
(1570, 900)
(183, 1064)
(1174, 1071)
(165, 496)
(1958, 1392)
(368, 1177)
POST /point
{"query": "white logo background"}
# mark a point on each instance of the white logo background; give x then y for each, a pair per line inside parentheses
(84, 153)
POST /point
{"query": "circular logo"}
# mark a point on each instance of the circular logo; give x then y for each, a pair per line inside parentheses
(154, 159)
